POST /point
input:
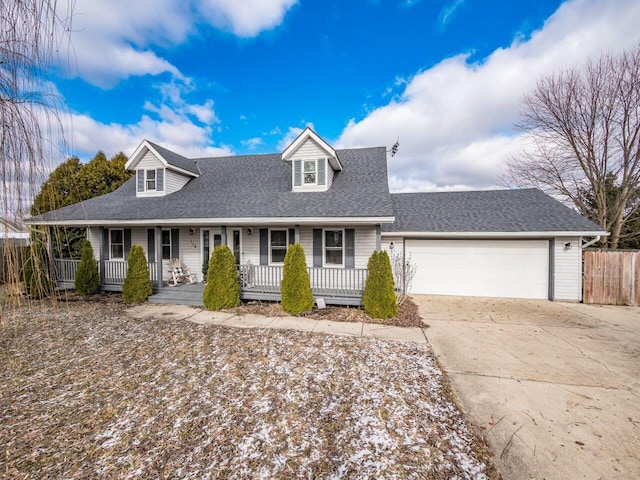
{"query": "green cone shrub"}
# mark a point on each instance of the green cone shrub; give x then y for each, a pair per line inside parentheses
(295, 287)
(379, 298)
(37, 272)
(137, 284)
(87, 280)
(223, 289)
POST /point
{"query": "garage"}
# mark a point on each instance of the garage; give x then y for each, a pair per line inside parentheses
(481, 268)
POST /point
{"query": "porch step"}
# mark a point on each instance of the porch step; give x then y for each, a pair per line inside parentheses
(177, 296)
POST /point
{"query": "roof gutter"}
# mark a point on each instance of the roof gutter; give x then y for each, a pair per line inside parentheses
(235, 221)
(591, 242)
(452, 235)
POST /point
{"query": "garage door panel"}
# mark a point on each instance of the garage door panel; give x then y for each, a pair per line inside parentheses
(496, 268)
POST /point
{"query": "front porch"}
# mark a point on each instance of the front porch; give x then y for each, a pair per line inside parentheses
(337, 286)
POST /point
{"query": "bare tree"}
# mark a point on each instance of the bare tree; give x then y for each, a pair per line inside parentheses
(32, 33)
(403, 272)
(583, 127)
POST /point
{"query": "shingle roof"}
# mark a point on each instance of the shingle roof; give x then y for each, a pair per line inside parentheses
(527, 210)
(249, 186)
(176, 160)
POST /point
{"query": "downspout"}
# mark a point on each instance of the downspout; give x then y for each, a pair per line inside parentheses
(591, 242)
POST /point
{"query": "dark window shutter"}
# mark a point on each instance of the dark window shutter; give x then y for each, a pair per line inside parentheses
(160, 179)
(292, 236)
(127, 242)
(140, 174)
(317, 247)
(297, 173)
(264, 246)
(151, 245)
(322, 167)
(175, 243)
(350, 248)
(104, 253)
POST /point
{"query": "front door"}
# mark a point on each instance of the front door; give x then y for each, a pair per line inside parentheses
(211, 238)
(236, 245)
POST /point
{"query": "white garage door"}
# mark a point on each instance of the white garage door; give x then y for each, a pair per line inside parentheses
(481, 268)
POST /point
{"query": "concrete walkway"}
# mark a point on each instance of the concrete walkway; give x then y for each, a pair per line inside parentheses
(205, 317)
(553, 387)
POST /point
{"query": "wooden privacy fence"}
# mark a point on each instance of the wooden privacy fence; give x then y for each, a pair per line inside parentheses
(611, 277)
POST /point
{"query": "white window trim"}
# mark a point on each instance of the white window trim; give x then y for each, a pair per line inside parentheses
(286, 230)
(111, 257)
(315, 172)
(324, 248)
(162, 244)
(147, 179)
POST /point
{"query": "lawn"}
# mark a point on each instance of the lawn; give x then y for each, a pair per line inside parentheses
(86, 391)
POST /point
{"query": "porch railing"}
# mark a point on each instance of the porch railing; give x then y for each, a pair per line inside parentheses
(325, 282)
(115, 271)
(66, 269)
(254, 279)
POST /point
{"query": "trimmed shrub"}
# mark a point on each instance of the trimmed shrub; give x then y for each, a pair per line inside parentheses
(223, 289)
(137, 284)
(37, 272)
(87, 280)
(379, 298)
(295, 287)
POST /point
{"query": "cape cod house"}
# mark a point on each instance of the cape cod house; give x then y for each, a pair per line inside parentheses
(337, 205)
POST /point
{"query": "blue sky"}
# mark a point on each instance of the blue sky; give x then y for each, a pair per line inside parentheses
(217, 77)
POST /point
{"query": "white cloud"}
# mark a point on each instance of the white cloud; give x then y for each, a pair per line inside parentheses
(291, 135)
(455, 120)
(112, 40)
(245, 18)
(252, 143)
(169, 128)
(449, 11)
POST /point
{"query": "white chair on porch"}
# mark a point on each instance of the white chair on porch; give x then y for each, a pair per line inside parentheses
(179, 273)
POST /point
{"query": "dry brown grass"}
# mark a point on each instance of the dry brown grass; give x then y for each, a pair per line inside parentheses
(87, 392)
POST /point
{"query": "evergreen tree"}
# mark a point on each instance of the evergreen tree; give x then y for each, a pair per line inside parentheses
(137, 284)
(223, 289)
(87, 280)
(296, 287)
(73, 182)
(379, 298)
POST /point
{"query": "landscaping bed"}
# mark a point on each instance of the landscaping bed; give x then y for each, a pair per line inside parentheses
(407, 313)
(87, 392)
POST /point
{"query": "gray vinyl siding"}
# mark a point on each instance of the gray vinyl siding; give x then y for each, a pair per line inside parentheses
(310, 150)
(174, 181)
(398, 245)
(330, 174)
(568, 269)
(365, 243)
(191, 251)
(93, 235)
(149, 161)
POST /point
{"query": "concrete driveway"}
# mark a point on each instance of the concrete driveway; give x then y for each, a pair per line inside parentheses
(553, 387)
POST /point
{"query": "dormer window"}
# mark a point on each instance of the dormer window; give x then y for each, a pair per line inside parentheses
(314, 163)
(310, 172)
(150, 179)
